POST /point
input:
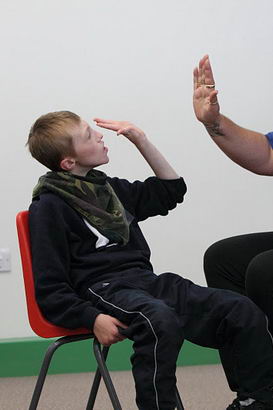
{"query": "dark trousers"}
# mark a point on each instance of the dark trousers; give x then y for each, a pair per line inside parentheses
(244, 264)
(164, 311)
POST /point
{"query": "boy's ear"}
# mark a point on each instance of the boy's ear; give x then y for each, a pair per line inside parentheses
(67, 163)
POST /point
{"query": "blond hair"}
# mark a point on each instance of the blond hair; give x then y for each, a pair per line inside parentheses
(50, 139)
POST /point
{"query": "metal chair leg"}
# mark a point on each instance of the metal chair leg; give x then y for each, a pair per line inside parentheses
(102, 371)
(179, 404)
(42, 375)
(101, 357)
(46, 362)
(96, 382)
(106, 377)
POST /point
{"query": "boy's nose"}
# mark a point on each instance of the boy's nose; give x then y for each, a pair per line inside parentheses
(99, 136)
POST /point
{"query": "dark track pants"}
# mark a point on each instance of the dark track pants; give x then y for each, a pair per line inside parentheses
(162, 312)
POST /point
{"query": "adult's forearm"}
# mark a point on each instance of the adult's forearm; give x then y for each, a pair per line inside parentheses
(247, 148)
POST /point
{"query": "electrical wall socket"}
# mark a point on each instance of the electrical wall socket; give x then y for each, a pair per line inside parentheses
(5, 260)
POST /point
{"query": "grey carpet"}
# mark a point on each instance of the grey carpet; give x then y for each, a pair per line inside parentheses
(201, 388)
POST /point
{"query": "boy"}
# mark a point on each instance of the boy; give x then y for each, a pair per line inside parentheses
(92, 267)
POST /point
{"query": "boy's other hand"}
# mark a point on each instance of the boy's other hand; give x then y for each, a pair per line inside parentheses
(129, 130)
(106, 329)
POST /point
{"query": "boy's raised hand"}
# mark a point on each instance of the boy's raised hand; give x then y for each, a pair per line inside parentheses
(154, 158)
(129, 130)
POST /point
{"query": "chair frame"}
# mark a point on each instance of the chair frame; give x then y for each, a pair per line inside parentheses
(45, 329)
(100, 355)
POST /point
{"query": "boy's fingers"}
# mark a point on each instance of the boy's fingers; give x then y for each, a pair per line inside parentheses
(103, 120)
(120, 324)
(121, 131)
(107, 126)
(121, 338)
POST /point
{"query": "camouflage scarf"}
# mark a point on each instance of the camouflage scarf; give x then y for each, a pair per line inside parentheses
(92, 197)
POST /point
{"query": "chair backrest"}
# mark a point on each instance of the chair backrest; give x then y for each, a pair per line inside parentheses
(38, 323)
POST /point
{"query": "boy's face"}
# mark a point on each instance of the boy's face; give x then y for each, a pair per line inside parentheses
(89, 148)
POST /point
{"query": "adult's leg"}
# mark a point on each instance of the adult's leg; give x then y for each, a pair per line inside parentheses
(226, 261)
(244, 264)
(155, 329)
(229, 322)
(259, 283)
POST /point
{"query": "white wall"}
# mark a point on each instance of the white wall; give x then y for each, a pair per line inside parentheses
(133, 60)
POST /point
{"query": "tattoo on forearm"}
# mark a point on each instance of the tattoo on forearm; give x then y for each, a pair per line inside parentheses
(214, 130)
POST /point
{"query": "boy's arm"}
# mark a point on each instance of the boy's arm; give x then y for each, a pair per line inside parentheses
(247, 148)
(151, 197)
(155, 159)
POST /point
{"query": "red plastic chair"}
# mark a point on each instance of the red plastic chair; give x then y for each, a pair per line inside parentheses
(46, 329)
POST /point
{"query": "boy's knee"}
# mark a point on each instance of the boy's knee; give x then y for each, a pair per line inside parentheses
(166, 324)
(246, 312)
